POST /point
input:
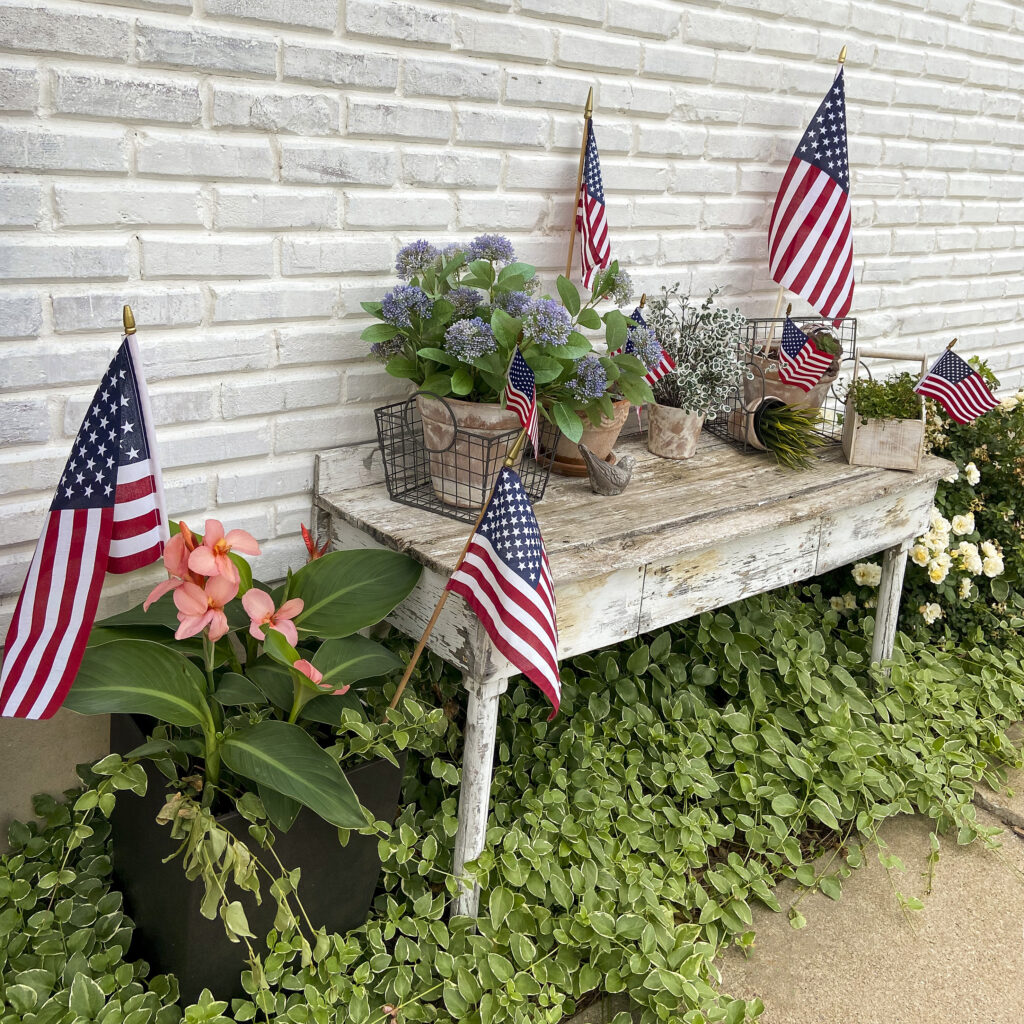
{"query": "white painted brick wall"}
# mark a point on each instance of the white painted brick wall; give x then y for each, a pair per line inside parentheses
(243, 171)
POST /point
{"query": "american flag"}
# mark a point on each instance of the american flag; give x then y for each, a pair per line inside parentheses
(591, 222)
(957, 387)
(801, 362)
(506, 579)
(810, 239)
(665, 362)
(521, 396)
(107, 516)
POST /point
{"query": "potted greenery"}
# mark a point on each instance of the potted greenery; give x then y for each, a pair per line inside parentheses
(243, 690)
(453, 327)
(884, 421)
(704, 343)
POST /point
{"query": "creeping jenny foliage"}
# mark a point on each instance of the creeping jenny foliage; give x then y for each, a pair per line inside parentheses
(630, 839)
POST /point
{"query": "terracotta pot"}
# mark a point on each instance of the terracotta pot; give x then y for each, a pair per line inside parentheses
(673, 433)
(600, 440)
(464, 465)
(789, 394)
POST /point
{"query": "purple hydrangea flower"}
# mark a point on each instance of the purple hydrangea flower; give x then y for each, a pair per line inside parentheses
(590, 381)
(415, 258)
(465, 301)
(546, 322)
(384, 350)
(622, 289)
(645, 345)
(469, 339)
(496, 248)
(402, 301)
(450, 251)
(514, 303)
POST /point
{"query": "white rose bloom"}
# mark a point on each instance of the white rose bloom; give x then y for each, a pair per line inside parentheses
(940, 524)
(849, 601)
(837, 604)
(972, 474)
(952, 476)
(937, 572)
(963, 524)
(945, 559)
(919, 554)
(965, 589)
(1011, 402)
(931, 612)
(936, 541)
(992, 566)
(989, 548)
(867, 574)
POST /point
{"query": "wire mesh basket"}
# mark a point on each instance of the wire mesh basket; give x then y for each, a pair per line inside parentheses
(758, 344)
(433, 463)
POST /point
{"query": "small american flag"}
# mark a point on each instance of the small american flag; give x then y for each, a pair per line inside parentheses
(107, 516)
(506, 580)
(521, 396)
(665, 362)
(591, 222)
(801, 362)
(810, 239)
(957, 387)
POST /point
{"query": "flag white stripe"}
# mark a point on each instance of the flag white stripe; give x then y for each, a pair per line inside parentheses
(969, 402)
(132, 472)
(783, 204)
(125, 510)
(21, 627)
(803, 254)
(840, 265)
(133, 545)
(91, 566)
(794, 219)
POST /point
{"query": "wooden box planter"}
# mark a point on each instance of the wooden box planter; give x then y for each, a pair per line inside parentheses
(336, 886)
(883, 443)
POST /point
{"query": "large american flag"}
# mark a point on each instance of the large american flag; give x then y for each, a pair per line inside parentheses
(665, 362)
(591, 220)
(957, 387)
(810, 239)
(801, 362)
(107, 516)
(521, 396)
(506, 579)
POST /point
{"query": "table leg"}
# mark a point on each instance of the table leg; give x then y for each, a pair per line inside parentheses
(475, 794)
(890, 589)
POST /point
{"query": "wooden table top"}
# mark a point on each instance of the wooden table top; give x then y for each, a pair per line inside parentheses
(670, 507)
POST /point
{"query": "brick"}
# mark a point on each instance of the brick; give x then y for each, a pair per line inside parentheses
(31, 471)
(245, 207)
(170, 407)
(392, 20)
(40, 28)
(491, 37)
(372, 383)
(785, 39)
(58, 259)
(19, 88)
(598, 52)
(221, 443)
(205, 49)
(321, 14)
(340, 65)
(277, 300)
(97, 150)
(663, 212)
(21, 521)
(420, 210)
(455, 169)
(278, 478)
(298, 113)
(546, 173)
(565, 10)
(304, 344)
(279, 393)
(21, 316)
(25, 420)
(612, 136)
(190, 157)
(451, 79)
(307, 431)
(336, 163)
(192, 256)
(482, 212)
(547, 90)
(46, 364)
(308, 257)
(114, 205)
(670, 139)
(96, 310)
(209, 352)
(719, 31)
(676, 61)
(647, 19)
(21, 202)
(748, 72)
(631, 97)
(502, 127)
(381, 119)
(123, 97)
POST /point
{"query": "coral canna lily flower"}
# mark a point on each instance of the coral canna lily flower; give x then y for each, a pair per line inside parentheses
(211, 557)
(201, 607)
(260, 608)
(314, 675)
(176, 555)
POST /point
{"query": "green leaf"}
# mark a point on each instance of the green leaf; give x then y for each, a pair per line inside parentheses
(462, 381)
(281, 810)
(346, 591)
(823, 813)
(352, 658)
(636, 391)
(785, 804)
(616, 327)
(139, 677)
(588, 318)
(244, 579)
(273, 679)
(437, 355)
(287, 759)
(506, 328)
(567, 421)
(373, 308)
(331, 708)
(569, 295)
(235, 922)
(379, 332)
(500, 905)
(402, 367)
(87, 997)
(439, 384)
(236, 689)
(576, 347)
(275, 645)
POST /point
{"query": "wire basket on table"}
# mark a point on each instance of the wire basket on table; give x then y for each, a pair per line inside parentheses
(453, 472)
(758, 344)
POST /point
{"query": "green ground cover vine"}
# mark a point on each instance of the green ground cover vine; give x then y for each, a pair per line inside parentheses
(689, 773)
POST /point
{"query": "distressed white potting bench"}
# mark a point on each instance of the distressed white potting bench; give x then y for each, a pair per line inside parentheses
(684, 538)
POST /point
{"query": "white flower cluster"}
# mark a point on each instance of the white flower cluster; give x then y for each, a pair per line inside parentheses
(930, 612)
(934, 551)
(867, 574)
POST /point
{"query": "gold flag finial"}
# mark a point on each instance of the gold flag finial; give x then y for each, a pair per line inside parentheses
(789, 309)
(643, 300)
(842, 55)
(588, 110)
(129, 320)
(951, 344)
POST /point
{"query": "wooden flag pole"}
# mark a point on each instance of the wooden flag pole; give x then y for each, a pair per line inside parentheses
(588, 113)
(129, 320)
(510, 461)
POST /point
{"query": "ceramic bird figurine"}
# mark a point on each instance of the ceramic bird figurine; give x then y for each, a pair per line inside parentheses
(605, 477)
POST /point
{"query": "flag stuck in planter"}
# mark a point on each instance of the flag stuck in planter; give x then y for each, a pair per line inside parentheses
(521, 396)
(106, 516)
(801, 362)
(957, 387)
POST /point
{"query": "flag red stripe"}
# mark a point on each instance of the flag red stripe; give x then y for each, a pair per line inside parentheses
(815, 261)
(135, 489)
(125, 528)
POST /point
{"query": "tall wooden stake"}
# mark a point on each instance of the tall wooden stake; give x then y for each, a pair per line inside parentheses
(588, 113)
(510, 461)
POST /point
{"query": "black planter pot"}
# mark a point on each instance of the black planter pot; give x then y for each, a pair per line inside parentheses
(336, 886)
